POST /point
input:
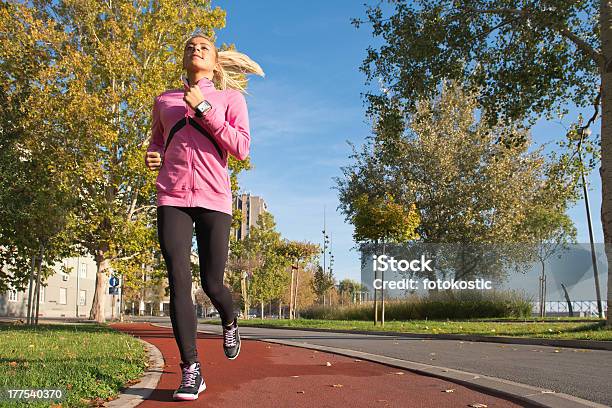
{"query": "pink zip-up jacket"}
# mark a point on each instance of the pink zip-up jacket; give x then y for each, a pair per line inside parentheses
(195, 150)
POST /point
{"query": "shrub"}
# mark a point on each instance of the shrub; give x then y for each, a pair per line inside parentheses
(435, 306)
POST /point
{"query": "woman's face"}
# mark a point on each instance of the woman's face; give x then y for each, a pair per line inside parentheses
(199, 55)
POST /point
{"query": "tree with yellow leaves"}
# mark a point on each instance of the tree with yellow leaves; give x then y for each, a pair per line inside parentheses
(116, 56)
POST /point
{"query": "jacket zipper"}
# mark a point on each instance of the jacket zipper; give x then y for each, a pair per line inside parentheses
(187, 117)
(192, 178)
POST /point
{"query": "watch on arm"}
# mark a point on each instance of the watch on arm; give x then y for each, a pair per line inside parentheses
(202, 108)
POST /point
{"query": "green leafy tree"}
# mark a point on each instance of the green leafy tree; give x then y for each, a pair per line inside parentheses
(37, 200)
(322, 282)
(524, 59)
(115, 57)
(303, 294)
(551, 232)
(348, 289)
(243, 261)
(269, 277)
(297, 254)
(471, 191)
(380, 219)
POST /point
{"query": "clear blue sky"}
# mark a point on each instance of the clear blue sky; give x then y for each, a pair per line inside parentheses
(309, 104)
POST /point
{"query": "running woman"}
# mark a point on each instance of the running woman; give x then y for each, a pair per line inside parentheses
(193, 131)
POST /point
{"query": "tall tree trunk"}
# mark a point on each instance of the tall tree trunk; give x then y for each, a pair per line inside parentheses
(291, 294)
(99, 300)
(382, 291)
(245, 300)
(295, 297)
(262, 309)
(375, 292)
(38, 277)
(542, 290)
(31, 289)
(606, 139)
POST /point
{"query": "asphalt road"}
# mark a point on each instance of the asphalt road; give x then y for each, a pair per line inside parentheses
(579, 372)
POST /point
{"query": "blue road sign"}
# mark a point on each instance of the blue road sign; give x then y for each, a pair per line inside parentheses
(114, 281)
(113, 290)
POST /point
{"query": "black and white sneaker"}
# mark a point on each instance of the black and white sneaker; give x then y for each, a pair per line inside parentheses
(231, 340)
(192, 383)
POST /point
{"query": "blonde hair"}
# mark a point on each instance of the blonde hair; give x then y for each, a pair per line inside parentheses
(232, 67)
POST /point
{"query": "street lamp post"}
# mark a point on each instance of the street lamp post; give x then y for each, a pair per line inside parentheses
(586, 132)
(78, 290)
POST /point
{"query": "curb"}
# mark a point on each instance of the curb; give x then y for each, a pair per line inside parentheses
(534, 396)
(137, 393)
(531, 341)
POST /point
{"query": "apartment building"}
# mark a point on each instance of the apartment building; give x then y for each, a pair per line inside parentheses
(251, 207)
(63, 294)
(70, 295)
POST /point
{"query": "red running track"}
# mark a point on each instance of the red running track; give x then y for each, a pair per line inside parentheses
(277, 376)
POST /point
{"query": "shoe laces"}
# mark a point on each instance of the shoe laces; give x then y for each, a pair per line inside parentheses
(229, 335)
(189, 375)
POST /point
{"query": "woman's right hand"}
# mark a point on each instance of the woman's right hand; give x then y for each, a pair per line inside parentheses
(153, 160)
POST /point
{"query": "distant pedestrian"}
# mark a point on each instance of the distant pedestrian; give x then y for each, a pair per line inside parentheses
(193, 131)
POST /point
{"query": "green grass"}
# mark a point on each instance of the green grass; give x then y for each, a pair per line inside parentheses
(90, 362)
(544, 329)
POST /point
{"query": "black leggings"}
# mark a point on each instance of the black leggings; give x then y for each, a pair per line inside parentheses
(175, 231)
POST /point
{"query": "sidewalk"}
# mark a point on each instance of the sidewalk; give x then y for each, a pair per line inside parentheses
(275, 375)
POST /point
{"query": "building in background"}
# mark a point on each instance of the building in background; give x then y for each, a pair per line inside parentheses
(64, 294)
(70, 295)
(251, 207)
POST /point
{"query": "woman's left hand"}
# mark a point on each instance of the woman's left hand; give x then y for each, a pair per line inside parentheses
(193, 96)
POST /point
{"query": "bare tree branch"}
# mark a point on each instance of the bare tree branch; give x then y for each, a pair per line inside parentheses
(144, 207)
(126, 258)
